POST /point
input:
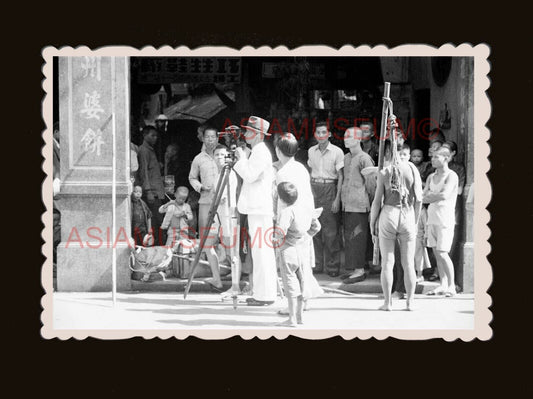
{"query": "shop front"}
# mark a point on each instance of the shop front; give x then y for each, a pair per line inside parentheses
(104, 102)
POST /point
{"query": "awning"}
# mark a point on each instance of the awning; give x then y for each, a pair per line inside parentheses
(200, 109)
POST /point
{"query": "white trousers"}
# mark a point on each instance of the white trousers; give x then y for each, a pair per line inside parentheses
(263, 258)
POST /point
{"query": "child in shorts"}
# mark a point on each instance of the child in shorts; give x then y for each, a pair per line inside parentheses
(178, 214)
(292, 225)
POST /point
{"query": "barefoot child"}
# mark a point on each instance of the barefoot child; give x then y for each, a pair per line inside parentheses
(441, 194)
(292, 226)
(178, 215)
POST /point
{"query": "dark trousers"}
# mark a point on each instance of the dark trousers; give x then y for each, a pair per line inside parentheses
(157, 219)
(355, 239)
(326, 241)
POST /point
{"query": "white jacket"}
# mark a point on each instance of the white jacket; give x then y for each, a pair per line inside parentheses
(257, 175)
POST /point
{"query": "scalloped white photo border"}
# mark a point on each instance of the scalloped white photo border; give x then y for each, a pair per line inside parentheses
(482, 269)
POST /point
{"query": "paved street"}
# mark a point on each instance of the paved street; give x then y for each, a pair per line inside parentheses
(162, 311)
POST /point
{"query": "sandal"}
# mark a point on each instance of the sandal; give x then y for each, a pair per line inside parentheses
(435, 292)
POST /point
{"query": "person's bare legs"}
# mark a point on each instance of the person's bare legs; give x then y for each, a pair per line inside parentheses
(446, 264)
(292, 321)
(386, 248)
(442, 273)
(407, 248)
(300, 303)
(427, 263)
(419, 259)
(212, 258)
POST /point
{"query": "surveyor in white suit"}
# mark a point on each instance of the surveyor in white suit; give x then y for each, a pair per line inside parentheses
(255, 200)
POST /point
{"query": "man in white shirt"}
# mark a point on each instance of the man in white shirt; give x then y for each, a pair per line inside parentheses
(326, 161)
(255, 200)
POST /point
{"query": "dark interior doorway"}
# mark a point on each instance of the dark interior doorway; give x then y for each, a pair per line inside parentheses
(422, 112)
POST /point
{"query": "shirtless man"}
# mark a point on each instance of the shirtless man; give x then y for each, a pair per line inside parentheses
(394, 216)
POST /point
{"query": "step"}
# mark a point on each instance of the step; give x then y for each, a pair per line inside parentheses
(174, 284)
(370, 285)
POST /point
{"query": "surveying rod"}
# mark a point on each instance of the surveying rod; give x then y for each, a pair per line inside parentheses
(382, 138)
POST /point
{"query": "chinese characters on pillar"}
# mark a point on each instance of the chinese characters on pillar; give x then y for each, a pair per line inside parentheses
(92, 103)
(92, 107)
(91, 67)
(92, 141)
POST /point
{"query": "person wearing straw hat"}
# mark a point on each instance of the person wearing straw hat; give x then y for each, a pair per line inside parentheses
(255, 200)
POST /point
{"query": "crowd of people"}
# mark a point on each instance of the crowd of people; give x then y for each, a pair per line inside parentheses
(405, 208)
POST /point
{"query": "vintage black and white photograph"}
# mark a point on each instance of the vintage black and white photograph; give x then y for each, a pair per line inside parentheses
(264, 192)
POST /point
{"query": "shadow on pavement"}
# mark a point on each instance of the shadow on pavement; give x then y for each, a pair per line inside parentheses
(226, 311)
(344, 309)
(211, 322)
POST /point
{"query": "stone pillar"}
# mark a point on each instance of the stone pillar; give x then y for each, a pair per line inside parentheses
(91, 89)
(467, 130)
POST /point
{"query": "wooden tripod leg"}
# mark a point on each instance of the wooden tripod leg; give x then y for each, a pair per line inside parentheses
(221, 184)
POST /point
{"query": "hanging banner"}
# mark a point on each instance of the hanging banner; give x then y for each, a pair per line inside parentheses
(162, 70)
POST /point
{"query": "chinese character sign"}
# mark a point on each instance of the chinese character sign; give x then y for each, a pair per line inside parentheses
(189, 70)
(91, 111)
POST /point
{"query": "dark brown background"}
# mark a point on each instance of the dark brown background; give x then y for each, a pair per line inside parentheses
(184, 368)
